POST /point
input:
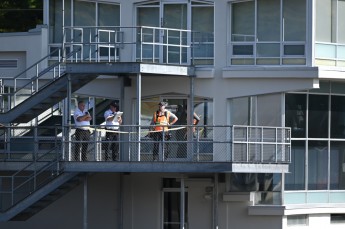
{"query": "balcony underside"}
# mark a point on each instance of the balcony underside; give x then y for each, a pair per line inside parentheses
(166, 167)
(106, 68)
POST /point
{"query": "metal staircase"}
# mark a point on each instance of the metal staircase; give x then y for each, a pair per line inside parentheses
(42, 180)
(25, 101)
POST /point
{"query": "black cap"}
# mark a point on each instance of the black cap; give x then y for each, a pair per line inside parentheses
(162, 103)
(113, 104)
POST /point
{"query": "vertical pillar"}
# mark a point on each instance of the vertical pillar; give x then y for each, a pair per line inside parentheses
(138, 115)
(182, 204)
(85, 204)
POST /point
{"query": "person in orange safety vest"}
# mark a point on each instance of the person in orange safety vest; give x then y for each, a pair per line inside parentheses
(161, 121)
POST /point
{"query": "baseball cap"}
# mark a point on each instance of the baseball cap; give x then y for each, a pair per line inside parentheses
(162, 103)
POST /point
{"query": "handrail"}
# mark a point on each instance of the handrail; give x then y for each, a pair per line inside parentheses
(34, 80)
(37, 170)
(36, 63)
(239, 144)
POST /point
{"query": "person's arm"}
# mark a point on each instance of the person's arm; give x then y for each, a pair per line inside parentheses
(196, 119)
(174, 118)
(109, 116)
(85, 117)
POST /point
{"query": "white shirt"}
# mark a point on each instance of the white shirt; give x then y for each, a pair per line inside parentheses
(78, 113)
(114, 125)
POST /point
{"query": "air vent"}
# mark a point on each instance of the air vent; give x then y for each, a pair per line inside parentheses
(8, 63)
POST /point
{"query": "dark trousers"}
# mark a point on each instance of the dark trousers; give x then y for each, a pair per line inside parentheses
(81, 135)
(158, 138)
(113, 145)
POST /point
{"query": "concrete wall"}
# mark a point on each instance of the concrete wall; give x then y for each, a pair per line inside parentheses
(27, 47)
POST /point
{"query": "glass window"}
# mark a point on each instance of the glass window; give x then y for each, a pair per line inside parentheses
(268, 50)
(318, 116)
(337, 117)
(55, 20)
(295, 180)
(243, 21)
(295, 114)
(323, 20)
(294, 50)
(337, 218)
(84, 13)
(239, 111)
(297, 220)
(108, 15)
(268, 21)
(269, 110)
(338, 88)
(341, 21)
(148, 16)
(317, 165)
(172, 209)
(203, 26)
(337, 166)
(294, 15)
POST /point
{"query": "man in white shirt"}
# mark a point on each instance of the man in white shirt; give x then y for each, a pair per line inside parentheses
(112, 122)
(82, 133)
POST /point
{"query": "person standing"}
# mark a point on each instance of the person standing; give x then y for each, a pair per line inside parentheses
(82, 134)
(161, 121)
(112, 122)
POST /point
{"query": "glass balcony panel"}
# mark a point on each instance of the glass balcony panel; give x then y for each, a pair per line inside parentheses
(326, 51)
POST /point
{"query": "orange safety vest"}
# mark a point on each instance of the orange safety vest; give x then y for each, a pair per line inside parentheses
(161, 121)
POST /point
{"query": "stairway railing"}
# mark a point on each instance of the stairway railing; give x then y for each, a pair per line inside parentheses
(20, 88)
(24, 182)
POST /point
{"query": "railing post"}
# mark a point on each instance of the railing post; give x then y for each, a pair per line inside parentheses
(262, 144)
(232, 143)
(247, 142)
(197, 145)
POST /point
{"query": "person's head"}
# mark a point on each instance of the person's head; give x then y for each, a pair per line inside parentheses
(162, 105)
(114, 107)
(81, 105)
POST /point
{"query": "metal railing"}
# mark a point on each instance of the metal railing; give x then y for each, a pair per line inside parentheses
(139, 44)
(240, 144)
(17, 89)
(15, 187)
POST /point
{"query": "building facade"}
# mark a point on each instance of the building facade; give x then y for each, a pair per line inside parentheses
(253, 70)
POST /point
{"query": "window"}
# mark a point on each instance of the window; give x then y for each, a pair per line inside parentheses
(337, 165)
(262, 110)
(337, 218)
(318, 116)
(172, 204)
(295, 179)
(330, 32)
(297, 220)
(197, 16)
(270, 32)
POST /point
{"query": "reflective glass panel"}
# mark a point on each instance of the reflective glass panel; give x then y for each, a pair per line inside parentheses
(337, 166)
(295, 114)
(295, 179)
(317, 165)
(318, 116)
(337, 117)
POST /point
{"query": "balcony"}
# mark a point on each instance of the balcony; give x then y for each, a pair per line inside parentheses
(182, 148)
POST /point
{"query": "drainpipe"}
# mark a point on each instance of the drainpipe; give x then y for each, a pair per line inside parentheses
(215, 202)
(138, 115)
(182, 203)
(85, 204)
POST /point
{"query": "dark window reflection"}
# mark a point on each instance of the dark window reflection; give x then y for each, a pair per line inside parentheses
(295, 114)
(337, 166)
(338, 117)
(317, 165)
(172, 208)
(295, 179)
(318, 116)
